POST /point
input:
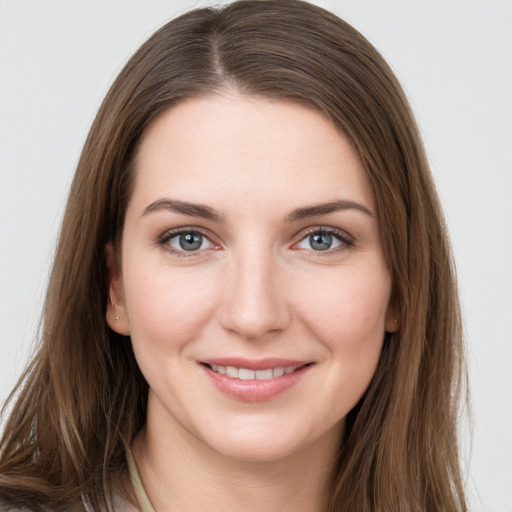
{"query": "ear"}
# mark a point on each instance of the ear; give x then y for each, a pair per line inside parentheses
(117, 319)
(392, 321)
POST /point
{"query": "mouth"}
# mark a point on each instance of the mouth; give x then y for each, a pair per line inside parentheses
(255, 381)
(250, 374)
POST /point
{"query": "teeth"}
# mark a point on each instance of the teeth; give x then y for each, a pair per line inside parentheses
(247, 374)
(279, 371)
(264, 374)
(231, 371)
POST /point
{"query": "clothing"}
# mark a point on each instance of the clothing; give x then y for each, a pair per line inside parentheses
(120, 505)
(140, 492)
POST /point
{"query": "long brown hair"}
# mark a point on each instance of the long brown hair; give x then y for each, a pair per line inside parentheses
(82, 400)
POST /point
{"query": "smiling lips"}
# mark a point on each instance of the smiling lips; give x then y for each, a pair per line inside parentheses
(248, 374)
(254, 380)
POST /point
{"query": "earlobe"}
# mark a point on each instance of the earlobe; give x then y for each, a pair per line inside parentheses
(116, 316)
(392, 322)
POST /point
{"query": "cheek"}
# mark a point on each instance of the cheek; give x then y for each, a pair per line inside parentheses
(347, 312)
(167, 309)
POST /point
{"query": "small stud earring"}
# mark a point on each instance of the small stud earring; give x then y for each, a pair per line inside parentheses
(116, 318)
(394, 321)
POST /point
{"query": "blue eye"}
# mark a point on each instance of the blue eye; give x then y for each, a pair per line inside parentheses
(189, 241)
(322, 241)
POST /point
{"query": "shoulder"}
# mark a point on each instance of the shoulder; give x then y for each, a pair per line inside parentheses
(4, 507)
(121, 505)
(12, 508)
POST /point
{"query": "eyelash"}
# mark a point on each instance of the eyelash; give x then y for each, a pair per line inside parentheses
(346, 240)
(163, 240)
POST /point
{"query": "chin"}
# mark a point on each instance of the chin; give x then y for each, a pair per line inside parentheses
(270, 442)
(257, 450)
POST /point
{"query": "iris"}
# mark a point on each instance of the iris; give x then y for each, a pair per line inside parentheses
(190, 241)
(320, 241)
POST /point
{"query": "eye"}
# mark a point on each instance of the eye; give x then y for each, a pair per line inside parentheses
(188, 241)
(324, 240)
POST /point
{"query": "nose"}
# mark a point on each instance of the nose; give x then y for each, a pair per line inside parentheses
(254, 302)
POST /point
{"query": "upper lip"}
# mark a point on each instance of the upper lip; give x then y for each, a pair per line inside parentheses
(254, 364)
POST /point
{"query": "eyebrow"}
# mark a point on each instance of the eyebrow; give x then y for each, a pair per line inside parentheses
(185, 208)
(326, 208)
(207, 212)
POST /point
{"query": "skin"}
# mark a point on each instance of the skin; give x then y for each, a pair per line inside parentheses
(256, 288)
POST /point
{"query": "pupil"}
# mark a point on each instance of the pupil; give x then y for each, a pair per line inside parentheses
(320, 241)
(191, 241)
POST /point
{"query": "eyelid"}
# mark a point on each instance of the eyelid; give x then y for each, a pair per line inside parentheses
(163, 239)
(345, 238)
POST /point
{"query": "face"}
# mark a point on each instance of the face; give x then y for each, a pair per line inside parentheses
(252, 283)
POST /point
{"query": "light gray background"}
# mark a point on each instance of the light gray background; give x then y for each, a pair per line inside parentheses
(454, 58)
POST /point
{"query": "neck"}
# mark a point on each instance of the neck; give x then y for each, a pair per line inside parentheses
(181, 473)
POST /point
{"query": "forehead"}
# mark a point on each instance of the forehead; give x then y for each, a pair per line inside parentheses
(239, 148)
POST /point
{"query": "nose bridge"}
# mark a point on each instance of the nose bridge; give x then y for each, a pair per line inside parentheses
(254, 303)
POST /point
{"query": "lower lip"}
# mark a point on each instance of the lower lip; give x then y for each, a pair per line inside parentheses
(255, 390)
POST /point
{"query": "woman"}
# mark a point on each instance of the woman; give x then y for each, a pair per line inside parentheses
(253, 288)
